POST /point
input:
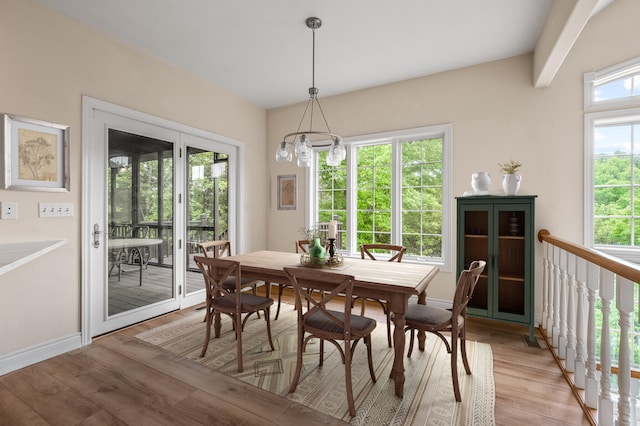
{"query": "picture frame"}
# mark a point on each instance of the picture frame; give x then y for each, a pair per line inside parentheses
(35, 155)
(287, 192)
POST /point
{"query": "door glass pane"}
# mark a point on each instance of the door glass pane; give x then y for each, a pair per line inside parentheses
(476, 247)
(207, 206)
(140, 216)
(511, 267)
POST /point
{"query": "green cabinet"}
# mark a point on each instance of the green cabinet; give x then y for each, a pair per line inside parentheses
(499, 230)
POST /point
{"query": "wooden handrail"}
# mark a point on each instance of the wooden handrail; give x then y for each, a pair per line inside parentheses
(616, 265)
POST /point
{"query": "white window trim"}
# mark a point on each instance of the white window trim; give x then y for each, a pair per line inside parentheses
(611, 73)
(591, 121)
(427, 132)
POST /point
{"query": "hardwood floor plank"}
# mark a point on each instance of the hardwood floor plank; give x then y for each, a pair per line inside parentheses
(53, 400)
(102, 418)
(120, 380)
(13, 411)
(207, 409)
(230, 390)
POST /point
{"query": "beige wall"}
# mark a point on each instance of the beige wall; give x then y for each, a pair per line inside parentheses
(496, 115)
(49, 62)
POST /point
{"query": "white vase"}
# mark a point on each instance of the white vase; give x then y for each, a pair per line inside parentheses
(480, 181)
(511, 184)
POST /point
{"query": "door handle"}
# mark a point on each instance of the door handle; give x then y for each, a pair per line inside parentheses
(96, 235)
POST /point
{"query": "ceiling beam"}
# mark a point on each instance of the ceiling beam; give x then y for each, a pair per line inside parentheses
(564, 23)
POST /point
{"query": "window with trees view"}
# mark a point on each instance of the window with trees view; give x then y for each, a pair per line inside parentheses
(612, 178)
(393, 188)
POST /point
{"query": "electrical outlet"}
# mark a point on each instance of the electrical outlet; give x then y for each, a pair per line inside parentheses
(9, 210)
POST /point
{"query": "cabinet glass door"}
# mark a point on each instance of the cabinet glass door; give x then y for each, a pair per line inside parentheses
(477, 246)
(510, 298)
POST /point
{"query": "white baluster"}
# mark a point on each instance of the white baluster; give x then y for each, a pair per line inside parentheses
(556, 296)
(545, 284)
(562, 340)
(605, 405)
(624, 303)
(589, 379)
(550, 291)
(571, 314)
(634, 400)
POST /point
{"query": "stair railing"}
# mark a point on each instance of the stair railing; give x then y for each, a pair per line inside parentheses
(580, 287)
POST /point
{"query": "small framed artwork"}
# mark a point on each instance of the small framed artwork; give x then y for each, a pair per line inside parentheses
(287, 192)
(35, 155)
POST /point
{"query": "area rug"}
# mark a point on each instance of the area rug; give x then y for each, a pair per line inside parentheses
(428, 390)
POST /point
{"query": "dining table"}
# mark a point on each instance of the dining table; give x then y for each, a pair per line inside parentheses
(395, 282)
(134, 244)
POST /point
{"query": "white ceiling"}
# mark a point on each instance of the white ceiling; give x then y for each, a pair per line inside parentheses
(260, 50)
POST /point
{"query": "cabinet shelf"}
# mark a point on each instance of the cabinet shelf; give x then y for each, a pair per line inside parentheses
(476, 236)
(506, 277)
(511, 237)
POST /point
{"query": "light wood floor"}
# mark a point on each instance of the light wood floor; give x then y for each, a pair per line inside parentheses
(120, 380)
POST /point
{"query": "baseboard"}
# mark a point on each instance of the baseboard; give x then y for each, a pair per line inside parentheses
(25, 357)
(437, 303)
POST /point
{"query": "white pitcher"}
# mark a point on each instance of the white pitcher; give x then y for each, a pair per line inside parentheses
(480, 181)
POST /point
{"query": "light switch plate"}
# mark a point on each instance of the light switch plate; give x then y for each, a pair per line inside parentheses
(55, 209)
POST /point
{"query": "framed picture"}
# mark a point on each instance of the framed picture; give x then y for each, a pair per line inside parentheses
(287, 192)
(36, 155)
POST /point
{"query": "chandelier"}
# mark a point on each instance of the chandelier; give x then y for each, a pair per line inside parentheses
(299, 142)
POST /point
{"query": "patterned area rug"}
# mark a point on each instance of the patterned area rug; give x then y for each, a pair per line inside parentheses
(428, 390)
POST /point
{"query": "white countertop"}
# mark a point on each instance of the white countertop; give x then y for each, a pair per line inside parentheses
(13, 255)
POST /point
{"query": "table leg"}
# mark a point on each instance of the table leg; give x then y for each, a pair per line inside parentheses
(422, 336)
(397, 372)
(140, 257)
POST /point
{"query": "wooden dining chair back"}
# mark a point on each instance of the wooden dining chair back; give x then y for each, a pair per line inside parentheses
(329, 324)
(216, 273)
(438, 320)
(395, 253)
(302, 246)
(222, 248)
(215, 249)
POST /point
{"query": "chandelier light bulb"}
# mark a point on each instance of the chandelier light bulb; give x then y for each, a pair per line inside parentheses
(284, 152)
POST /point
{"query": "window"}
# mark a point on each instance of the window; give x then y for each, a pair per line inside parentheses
(393, 188)
(612, 164)
(615, 87)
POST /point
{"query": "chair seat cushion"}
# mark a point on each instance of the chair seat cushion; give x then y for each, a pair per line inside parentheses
(424, 314)
(228, 303)
(359, 325)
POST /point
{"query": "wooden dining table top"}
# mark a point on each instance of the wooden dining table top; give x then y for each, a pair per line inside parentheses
(405, 278)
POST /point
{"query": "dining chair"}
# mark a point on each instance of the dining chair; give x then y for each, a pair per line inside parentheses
(331, 325)
(222, 248)
(395, 255)
(142, 254)
(118, 257)
(438, 320)
(302, 246)
(216, 273)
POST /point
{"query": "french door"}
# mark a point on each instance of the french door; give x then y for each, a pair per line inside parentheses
(152, 191)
